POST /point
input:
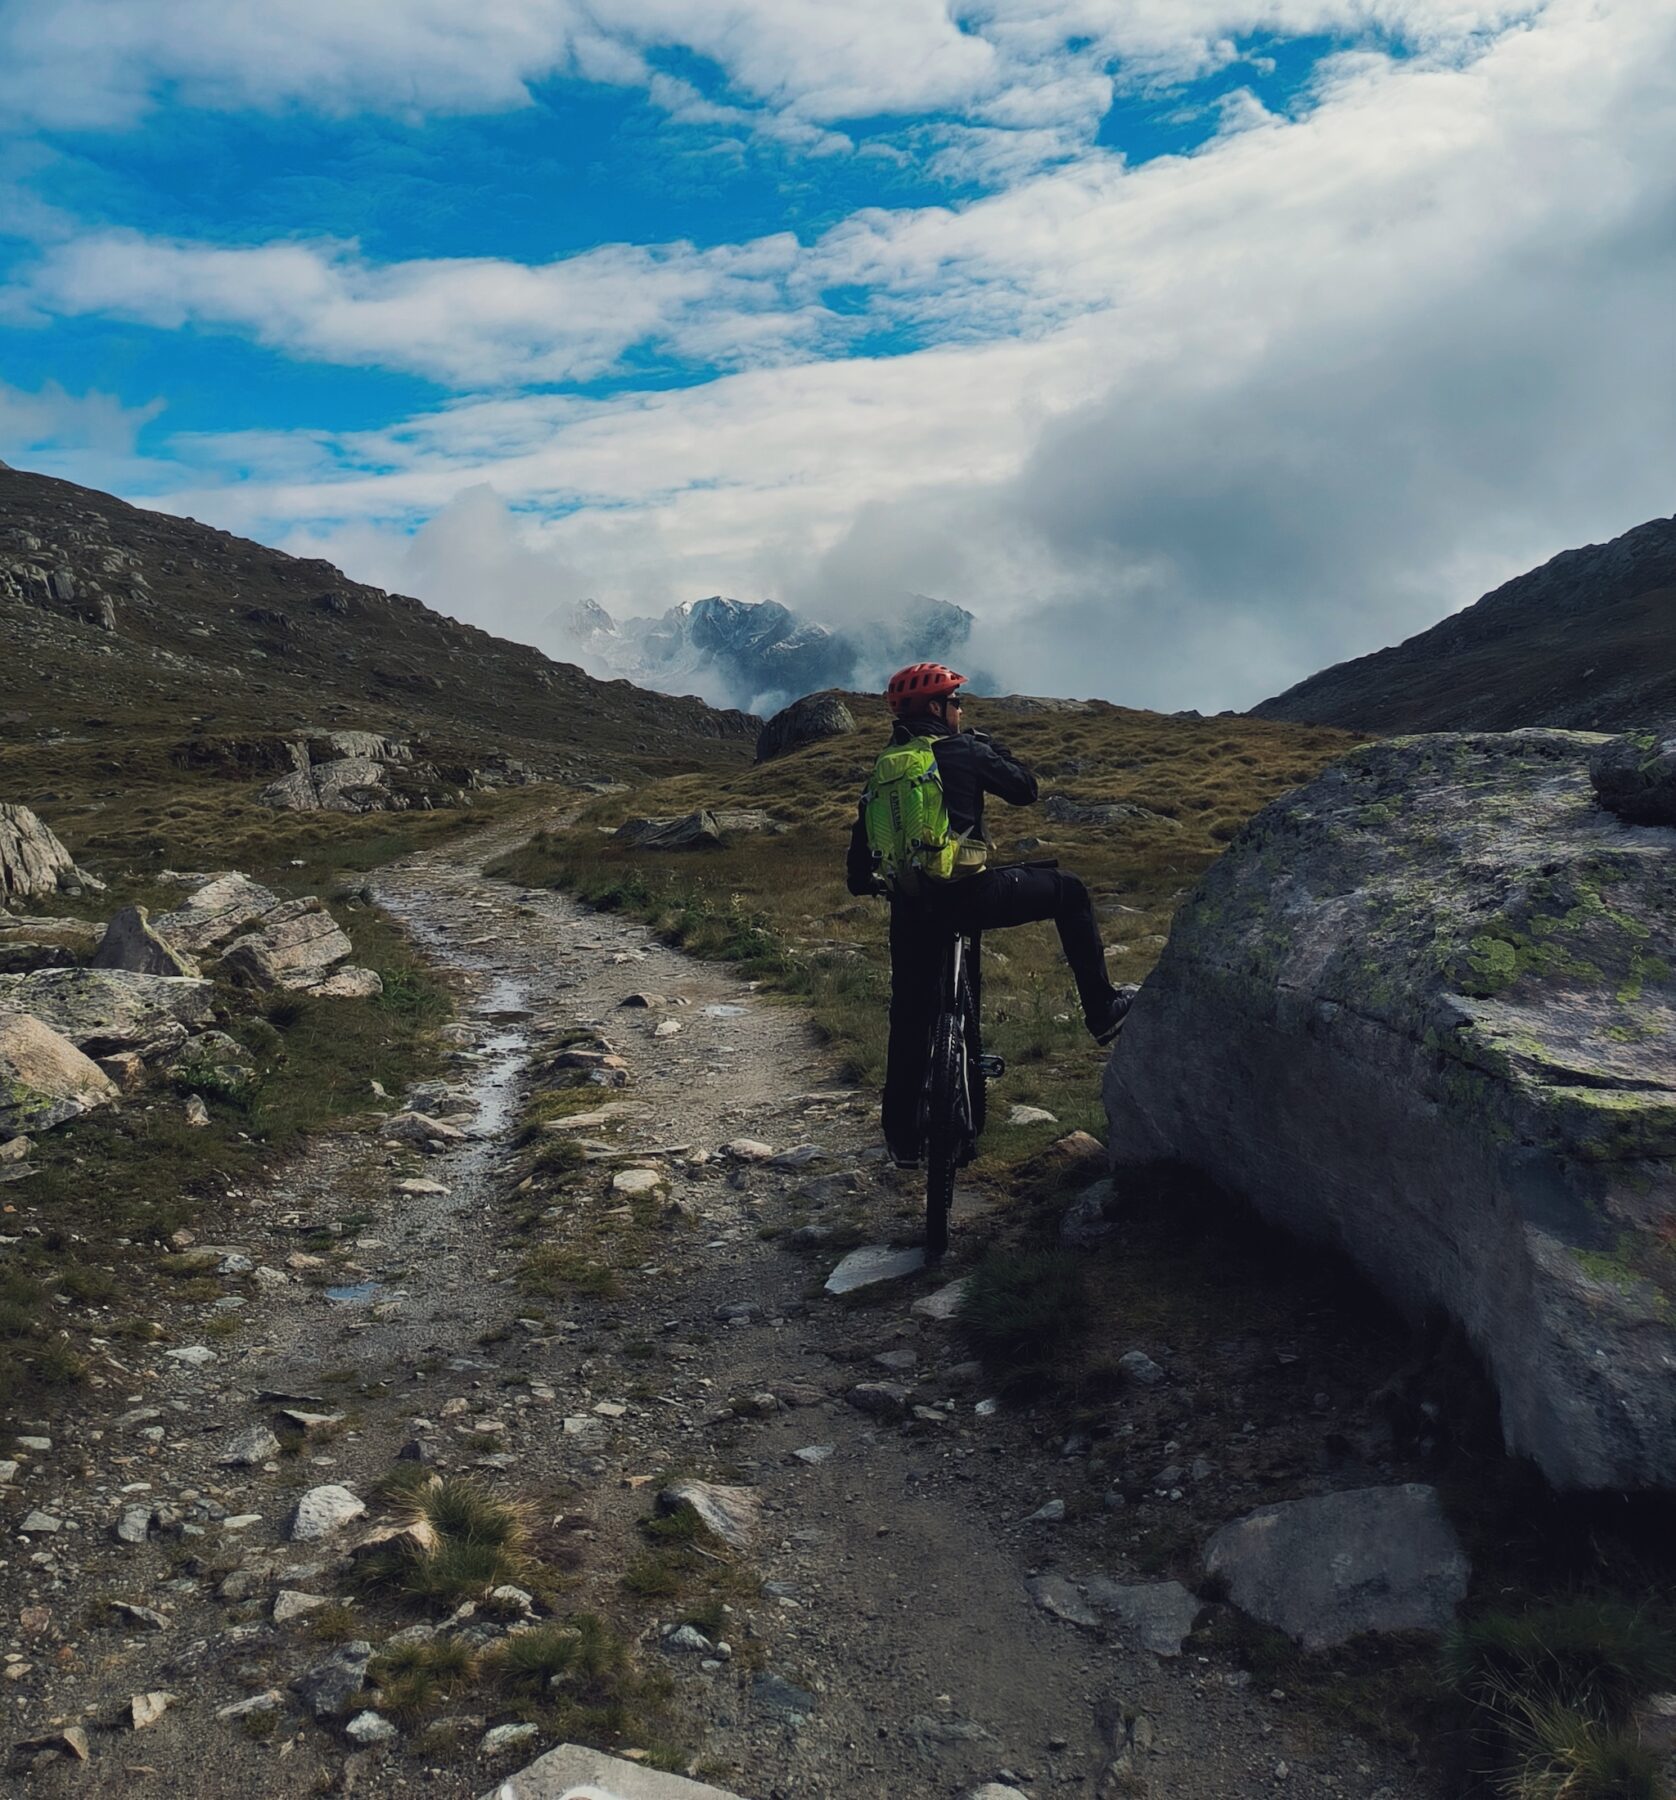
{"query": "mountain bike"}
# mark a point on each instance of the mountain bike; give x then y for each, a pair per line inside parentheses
(952, 1108)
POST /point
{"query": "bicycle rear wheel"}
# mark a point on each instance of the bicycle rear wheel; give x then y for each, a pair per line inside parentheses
(945, 1128)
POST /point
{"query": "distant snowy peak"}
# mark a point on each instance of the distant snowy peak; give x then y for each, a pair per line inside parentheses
(758, 653)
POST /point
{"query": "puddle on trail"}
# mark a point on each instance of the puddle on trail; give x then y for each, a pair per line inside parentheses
(355, 1292)
(499, 1057)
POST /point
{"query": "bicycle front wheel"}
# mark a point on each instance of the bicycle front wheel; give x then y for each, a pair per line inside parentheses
(945, 1129)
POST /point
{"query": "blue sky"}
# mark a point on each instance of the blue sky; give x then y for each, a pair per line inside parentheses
(1142, 323)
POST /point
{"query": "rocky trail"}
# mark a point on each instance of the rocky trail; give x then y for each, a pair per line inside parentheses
(906, 1620)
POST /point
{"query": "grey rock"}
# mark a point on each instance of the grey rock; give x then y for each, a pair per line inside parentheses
(294, 947)
(501, 1740)
(40, 1524)
(131, 942)
(104, 1011)
(1153, 1615)
(44, 1079)
(688, 1638)
(1634, 776)
(133, 1525)
(814, 1453)
(1030, 1115)
(144, 1710)
(993, 1790)
(944, 1303)
(256, 1444)
(809, 720)
(270, 1701)
(291, 1603)
(696, 831)
(368, 1728)
(331, 1686)
(351, 983)
(192, 1356)
(1139, 1368)
(1061, 1597)
(1064, 811)
(732, 1513)
(872, 1264)
(778, 1698)
(573, 1773)
(216, 910)
(1050, 1512)
(33, 863)
(420, 1130)
(1086, 1221)
(1327, 1569)
(148, 1616)
(1421, 1009)
(884, 1399)
(323, 1510)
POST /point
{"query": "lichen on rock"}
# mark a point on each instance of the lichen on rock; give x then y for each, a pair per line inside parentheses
(1422, 1010)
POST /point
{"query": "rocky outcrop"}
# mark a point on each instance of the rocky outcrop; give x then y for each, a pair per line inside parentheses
(805, 721)
(1422, 1010)
(33, 863)
(130, 942)
(297, 945)
(573, 1773)
(1634, 776)
(104, 1012)
(216, 909)
(44, 1079)
(701, 830)
(28, 943)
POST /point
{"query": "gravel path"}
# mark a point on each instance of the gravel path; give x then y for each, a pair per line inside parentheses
(895, 1646)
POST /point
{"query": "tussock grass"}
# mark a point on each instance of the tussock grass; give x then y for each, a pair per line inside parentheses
(478, 1542)
(413, 1679)
(1023, 1313)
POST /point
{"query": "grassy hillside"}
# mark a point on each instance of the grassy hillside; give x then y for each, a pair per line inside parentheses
(777, 904)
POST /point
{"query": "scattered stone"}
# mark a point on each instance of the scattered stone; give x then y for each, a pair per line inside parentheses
(943, 1304)
(1154, 1615)
(1087, 1220)
(667, 1028)
(747, 1150)
(813, 1453)
(884, 1399)
(500, 1740)
(240, 1585)
(8, 1471)
(779, 1699)
(1324, 1570)
(638, 1181)
(147, 1616)
(350, 983)
(251, 1448)
(70, 1742)
(323, 1510)
(420, 1131)
(369, 1728)
(294, 947)
(310, 1422)
(418, 1189)
(798, 1157)
(872, 1264)
(573, 1773)
(270, 1701)
(689, 1638)
(197, 1113)
(192, 1356)
(1031, 1115)
(44, 1079)
(1056, 1595)
(330, 1687)
(220, 906)
(1139, 1368)
(144, 1710)
(290, 1603)
(1051, 1512)
(730, 1512)
(133, 1526)
(40, 1524)
(993, 1790)
(899, 1362)
(131, 942)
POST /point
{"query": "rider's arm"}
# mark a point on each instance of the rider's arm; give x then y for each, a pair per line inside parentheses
(860, 876)
(1000, 773)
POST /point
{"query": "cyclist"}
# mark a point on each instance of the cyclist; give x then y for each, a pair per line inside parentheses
(925, 701)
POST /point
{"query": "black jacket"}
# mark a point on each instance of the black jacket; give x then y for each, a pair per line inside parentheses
(970, 766)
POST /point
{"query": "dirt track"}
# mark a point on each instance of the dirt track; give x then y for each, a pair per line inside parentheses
(894, 1569)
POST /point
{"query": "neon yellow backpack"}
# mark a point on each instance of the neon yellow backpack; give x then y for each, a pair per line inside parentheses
(907, 821)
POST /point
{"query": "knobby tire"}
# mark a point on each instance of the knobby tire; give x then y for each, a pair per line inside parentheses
(945, 1137)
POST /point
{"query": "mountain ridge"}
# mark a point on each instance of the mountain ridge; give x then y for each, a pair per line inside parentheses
(1585, 641)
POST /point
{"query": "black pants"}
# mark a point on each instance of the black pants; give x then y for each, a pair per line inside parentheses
(918, 936)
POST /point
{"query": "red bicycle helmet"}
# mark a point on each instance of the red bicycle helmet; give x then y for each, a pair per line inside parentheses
(909, 689)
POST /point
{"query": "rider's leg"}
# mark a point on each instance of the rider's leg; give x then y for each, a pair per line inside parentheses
(914, 949)
(1019, 896)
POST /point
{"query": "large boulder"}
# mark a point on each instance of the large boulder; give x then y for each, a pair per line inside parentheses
(697, 831)
(1634, 776)
(131, 942)
(805, 721)
(28, 943)
(44, 1078)
(1422, 1010)
(217, 908)
(104, 1012)
(33, 863)
(297, 945)
(573, 1773)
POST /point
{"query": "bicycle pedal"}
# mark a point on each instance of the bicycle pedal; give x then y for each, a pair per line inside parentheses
(993, 1067)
